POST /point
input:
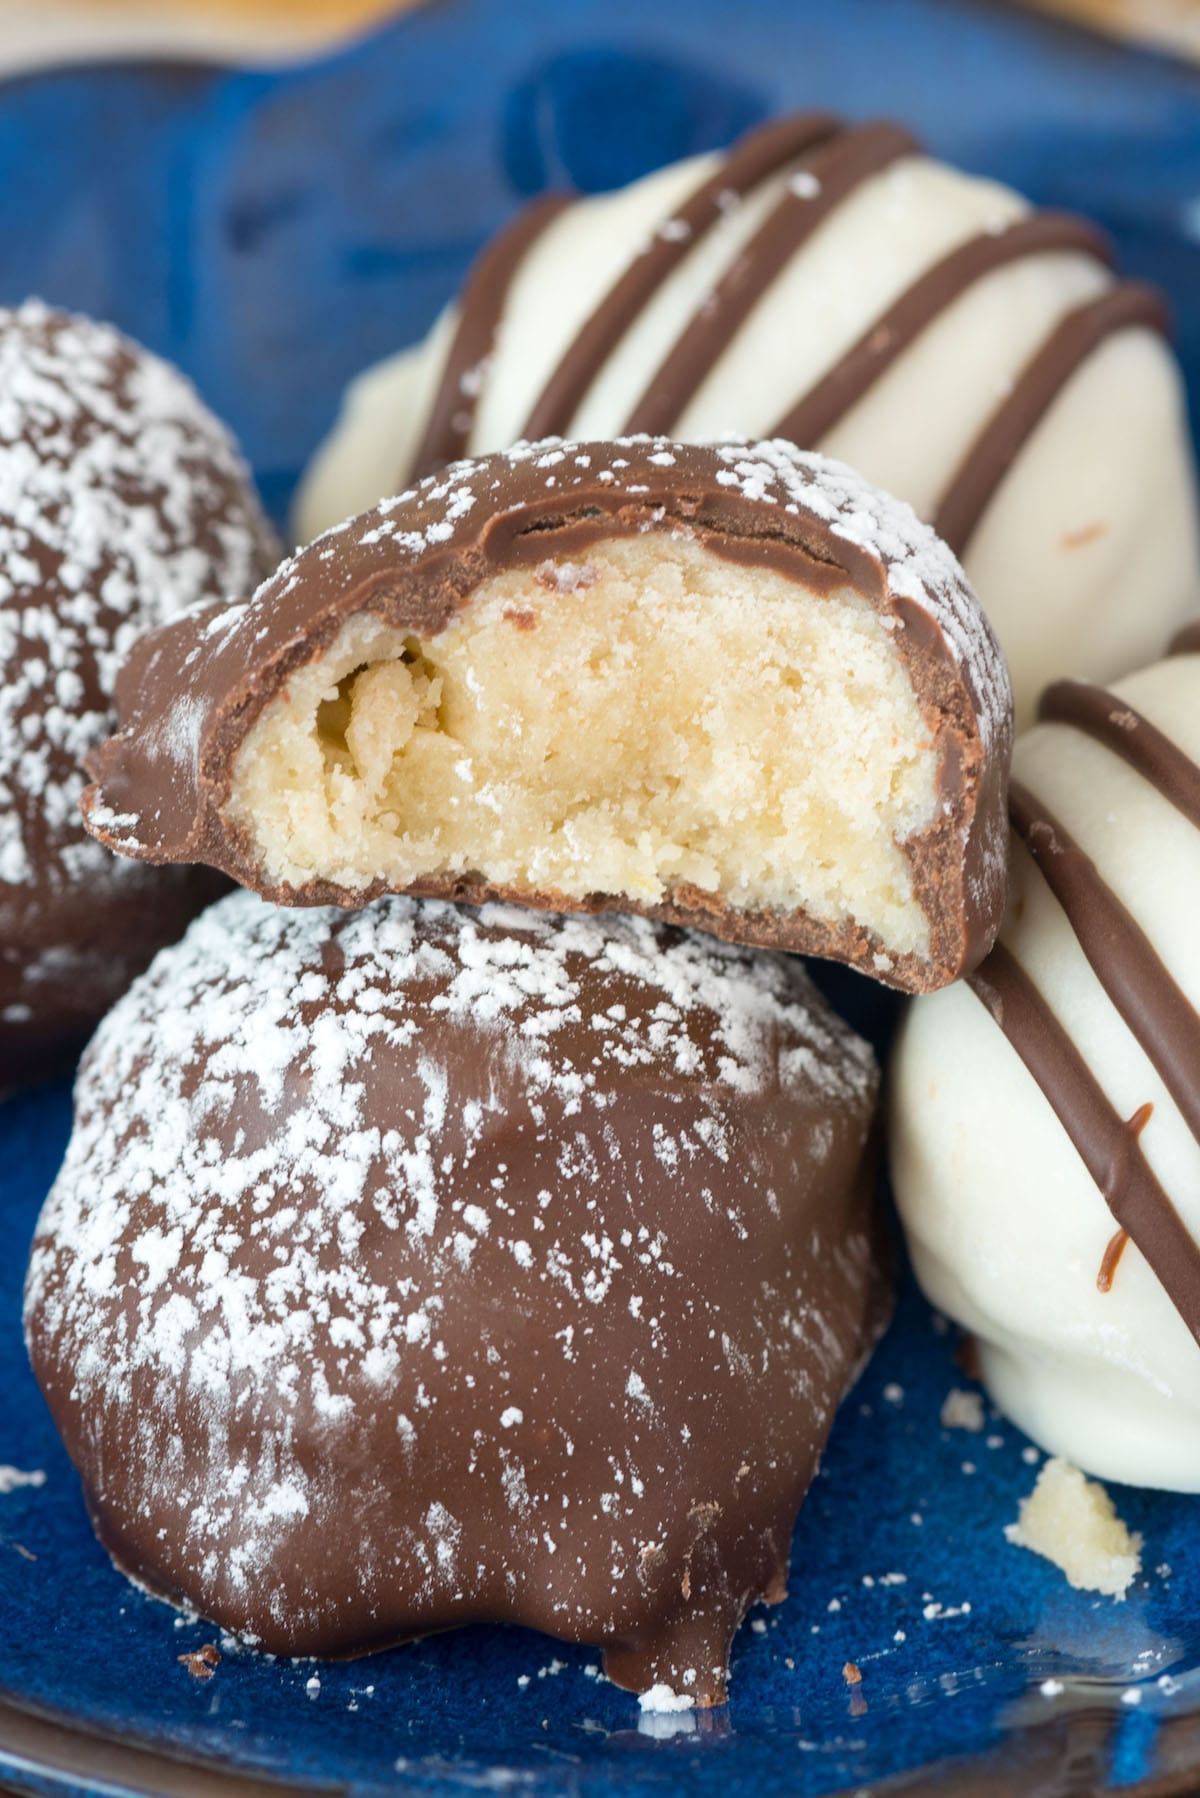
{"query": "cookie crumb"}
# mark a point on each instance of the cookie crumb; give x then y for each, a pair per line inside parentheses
(962, 1410)
(851, 1674)
(1073, 1522)
(200, 1662)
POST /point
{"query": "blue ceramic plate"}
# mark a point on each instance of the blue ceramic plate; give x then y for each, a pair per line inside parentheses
(272, 233)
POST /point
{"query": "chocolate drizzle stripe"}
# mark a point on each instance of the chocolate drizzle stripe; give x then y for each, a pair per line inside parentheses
(1116, 725)
(448, 428)
(837, 169)
(1101, 1137)
(920, 306)
(760, 154)
(1187, 643)
(1121, 955)
(1017, 417)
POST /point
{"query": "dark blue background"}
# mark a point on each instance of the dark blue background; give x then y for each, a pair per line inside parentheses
(272, 233)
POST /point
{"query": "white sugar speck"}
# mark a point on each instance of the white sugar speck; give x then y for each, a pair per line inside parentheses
(663, 1700)
(12, 1478)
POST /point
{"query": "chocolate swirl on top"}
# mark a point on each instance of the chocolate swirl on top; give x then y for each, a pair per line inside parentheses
(834, 174)
(1157, 1011)
(448, 429)
(758, 155)
(1121, 955)
(1108, 1145)
(884, 341)
(1119, 727)
(830, 162)
(1017, 417)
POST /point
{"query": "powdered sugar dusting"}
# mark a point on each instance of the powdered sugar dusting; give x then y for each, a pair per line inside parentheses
(920, 567)
(122, 501)
(232, 1163)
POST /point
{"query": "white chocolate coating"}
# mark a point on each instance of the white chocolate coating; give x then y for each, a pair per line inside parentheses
(1006, 1226)
(1086, 557)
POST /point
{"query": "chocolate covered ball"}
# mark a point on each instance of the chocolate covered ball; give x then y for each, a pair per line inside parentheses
(836, 286)
(122, 500)
(1046, 1116)
(416, 1266)
(731, 686)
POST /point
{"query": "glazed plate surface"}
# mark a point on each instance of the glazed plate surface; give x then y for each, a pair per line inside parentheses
(274, 232)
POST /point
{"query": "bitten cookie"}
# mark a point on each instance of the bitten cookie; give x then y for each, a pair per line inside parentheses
(416, 1266)
(1046, 1117)
(730, 686)
(836, 286)
(122, 500)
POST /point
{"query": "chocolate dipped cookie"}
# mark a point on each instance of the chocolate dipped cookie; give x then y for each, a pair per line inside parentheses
(834, 285)
(730, 686)
(1045, 1127)
(122, 500)
(418, 1266)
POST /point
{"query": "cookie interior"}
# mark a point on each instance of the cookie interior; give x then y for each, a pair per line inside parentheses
(647, 717)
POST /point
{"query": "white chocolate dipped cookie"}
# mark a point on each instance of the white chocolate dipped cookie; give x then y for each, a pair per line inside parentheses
(1045, 1122)
(837, 287)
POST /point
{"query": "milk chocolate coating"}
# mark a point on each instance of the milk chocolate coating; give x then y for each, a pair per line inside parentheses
(415, 1266)
(191, 692)
(121, 501)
